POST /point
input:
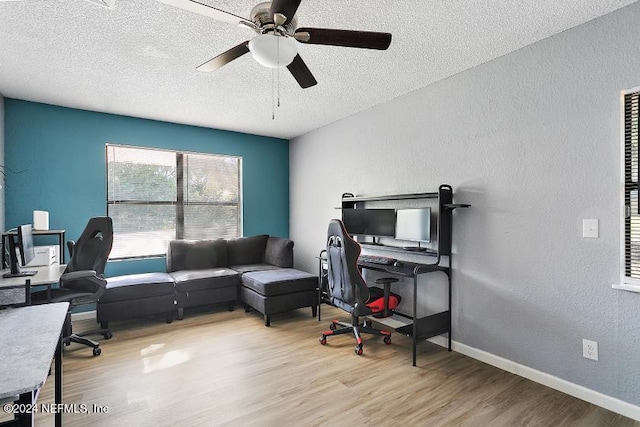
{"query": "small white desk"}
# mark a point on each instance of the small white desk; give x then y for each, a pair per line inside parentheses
(29, 338)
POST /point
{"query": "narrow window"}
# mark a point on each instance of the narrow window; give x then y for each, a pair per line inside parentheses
(632, 215)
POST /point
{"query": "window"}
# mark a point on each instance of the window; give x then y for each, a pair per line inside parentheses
(631, 187)
(154, 196)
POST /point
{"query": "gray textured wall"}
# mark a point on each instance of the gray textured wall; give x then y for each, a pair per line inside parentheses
(532, 141)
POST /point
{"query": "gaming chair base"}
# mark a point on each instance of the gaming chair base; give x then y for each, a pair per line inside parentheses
(80, 338)
(356, 329)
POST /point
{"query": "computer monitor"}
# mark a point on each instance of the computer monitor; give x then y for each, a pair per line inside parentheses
(24, 245)
(370, 222)
(413, 225)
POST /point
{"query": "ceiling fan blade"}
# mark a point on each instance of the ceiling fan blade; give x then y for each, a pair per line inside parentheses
(287, 8)
(211, 12)
(301, 73)
(224, 58)
(346, 38)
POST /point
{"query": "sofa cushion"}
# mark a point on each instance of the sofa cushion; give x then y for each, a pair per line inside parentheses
(196, 254)
(279, 252)
(133, 286)
(247, 268)
(195, 280)
(247, 250)
(278, 282)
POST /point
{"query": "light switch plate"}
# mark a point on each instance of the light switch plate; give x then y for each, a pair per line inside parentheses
(590, 228)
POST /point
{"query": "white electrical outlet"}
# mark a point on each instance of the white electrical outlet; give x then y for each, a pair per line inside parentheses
(590, 349)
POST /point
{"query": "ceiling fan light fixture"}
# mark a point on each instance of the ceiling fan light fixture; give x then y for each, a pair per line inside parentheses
(273, 51)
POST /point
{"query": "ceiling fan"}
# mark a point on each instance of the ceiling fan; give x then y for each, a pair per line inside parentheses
(275, 45)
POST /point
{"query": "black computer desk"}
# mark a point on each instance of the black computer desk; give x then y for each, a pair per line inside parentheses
(418, 328)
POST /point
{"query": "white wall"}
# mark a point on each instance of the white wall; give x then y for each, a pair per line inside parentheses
(532, 141)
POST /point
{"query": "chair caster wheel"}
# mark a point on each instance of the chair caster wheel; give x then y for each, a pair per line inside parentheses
(97, 351)
(333, 326)
(387, 340)
(323, 340)
(359, 350)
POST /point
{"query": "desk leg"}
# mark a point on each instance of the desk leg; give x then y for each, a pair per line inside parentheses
(450, 306)
(415, 318)
(4, 258)
(25, 418)
(387, 295)
(58, 384)
(319, 288)
(62, 248)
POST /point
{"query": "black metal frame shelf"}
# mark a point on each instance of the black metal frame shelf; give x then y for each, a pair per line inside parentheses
(58, 233)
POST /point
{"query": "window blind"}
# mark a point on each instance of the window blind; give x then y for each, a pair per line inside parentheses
(632, 216)
(154, 196)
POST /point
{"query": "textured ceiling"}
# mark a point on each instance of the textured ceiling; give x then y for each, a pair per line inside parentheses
(139, 57)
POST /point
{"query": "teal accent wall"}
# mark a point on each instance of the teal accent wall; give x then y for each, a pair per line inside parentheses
(57, 159)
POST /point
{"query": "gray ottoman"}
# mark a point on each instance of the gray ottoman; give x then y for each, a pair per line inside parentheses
(137, 295)
(277, 291)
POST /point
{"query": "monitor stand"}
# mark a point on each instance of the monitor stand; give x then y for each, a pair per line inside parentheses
(374, 243)
(25, 273)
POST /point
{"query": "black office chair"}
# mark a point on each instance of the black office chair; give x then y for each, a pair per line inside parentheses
(346, 287)
(83, 280)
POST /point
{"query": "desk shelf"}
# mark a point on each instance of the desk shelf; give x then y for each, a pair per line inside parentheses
(425, 327)
(444, 226)
(355, 199)
(396, 322)
(57, 233)
(399, 249)
(428, 326)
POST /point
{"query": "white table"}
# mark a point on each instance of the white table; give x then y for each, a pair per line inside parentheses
(29, 339)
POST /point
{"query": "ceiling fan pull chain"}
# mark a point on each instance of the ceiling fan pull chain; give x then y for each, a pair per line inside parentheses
(278, 71)
(273, 102)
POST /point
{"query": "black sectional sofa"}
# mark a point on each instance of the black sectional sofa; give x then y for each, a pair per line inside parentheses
(203, 272)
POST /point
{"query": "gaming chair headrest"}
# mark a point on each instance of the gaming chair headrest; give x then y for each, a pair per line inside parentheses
(336, 228)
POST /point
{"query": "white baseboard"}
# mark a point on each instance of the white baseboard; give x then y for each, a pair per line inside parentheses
(84, 315)
(611, 403)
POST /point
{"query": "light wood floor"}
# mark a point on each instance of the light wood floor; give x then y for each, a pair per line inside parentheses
(225, 368)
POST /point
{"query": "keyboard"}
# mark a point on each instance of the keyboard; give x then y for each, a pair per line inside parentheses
(374, 259)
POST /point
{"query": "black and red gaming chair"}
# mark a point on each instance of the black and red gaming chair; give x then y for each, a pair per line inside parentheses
(347, 289)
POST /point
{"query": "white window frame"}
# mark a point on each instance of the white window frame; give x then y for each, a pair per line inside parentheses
(626, 282)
